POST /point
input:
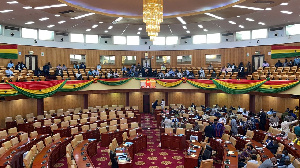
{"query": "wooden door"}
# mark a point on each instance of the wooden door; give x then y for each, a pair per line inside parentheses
(146, 104)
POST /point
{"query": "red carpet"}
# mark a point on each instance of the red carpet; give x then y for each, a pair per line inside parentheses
(152, 157)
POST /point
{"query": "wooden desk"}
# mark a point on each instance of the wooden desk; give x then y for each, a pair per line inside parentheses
(139, 142)
(107, 137)
(26, 127)
(49, 156)
(64, 132)
(172, 141)
(189, 160)
(14, 156)
(44, 130)
(91, 134)
(84, 152)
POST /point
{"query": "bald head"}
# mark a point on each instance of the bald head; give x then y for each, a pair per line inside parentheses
(273, 159)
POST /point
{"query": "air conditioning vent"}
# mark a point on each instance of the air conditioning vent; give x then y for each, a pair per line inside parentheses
(105, 36)
(276, 28)
(227, 34)
(62, 34)
(12, 28)
(145, 38)
(186, 37)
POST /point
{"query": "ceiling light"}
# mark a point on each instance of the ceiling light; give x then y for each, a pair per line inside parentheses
(249, 19)
(50, 26)
(231, 22)
(205, 30)
(61, 22)
(286, 12)
(51, 6)
(100, 22)
(181, 20)
(105, 31)
(140, 28)
(94, 26)
(241, 26)
(88, 29)
(117, 20)
(184, 27)
(238, 16)
(200, 26)
(215, 16)
(27, 7)
(12, 2)
(57, 15)
(268, 9)
(188, 31)
(261, 23)
(138, 33)
(5, 11)
(30, 22)
(284, 3)
(247, 7)
(82, 16)
(43, 19)
(110, 27)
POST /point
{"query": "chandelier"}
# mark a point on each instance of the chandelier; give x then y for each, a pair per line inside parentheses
(152, 16)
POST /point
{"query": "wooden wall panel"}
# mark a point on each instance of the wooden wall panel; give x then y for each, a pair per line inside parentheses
(17, 107)
(187, 98)
(277, 103)
(64, 102)
(229, 100)
(157, 96)
(107, 99)
(136, 99)
(61, 56)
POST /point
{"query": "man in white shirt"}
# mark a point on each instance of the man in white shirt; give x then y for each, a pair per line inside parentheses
(168, 123)
(240, 109)
(10, 64)
(78, 75)
(162, 103)
(98, 67)
(222, 120)
(245, 113)
(285, 126)
(253, 160)
(8, 72)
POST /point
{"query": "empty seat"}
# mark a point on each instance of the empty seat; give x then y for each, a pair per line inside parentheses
(83, 120)
(113, 122)
(74, 130)
(76, 117)
(93, 119)
(112, 128)
(56, 137)
(132, 133)
(3, 134)
(124, 126)
(54, 127)
(85, 128)
(14, 141)
(12, 131)
(180, 131)
(134, 125)
(93, 126)
(122, 121)
(65, 124)
(24, 137)
(7, 145)
(48, 140)
(79, 137)
(33, 134)
(47, 122)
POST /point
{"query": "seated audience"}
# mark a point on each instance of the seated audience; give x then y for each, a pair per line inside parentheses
(265, 64)
(273, 147)
(10, 64)
(82, 66)
(196, 127)
(269, 163)
(78, 75)
(8, 72)
(274, 120)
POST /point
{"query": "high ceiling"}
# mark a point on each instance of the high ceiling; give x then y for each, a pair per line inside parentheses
(265, 13)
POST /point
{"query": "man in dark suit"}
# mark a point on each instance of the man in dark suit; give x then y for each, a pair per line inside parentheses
(209, 130)
(263, 120)
(113, 159)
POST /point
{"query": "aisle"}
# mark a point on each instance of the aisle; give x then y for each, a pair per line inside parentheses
(152, 157)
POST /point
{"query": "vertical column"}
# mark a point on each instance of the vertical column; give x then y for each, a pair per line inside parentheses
(127, 98)
(40, 106)
(167, 98)
(252, 103)
(207, 102)
(86, 101)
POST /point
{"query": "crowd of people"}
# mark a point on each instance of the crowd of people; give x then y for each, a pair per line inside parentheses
(286, 63)
(223, 114)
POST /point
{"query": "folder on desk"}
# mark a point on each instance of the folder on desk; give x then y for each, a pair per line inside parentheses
(120, 154)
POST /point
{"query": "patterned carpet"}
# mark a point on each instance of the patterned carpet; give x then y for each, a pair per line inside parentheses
(152, 157)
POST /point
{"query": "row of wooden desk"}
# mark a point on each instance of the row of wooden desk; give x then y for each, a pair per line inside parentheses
(83, 153)
(107, 137)
(14, 156)
(49, 156)
(192, 159)
(188, 133)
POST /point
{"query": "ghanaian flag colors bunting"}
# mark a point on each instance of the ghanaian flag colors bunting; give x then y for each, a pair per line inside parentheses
(9, 51)
(234, 86)
(169, 82)
(285, 51)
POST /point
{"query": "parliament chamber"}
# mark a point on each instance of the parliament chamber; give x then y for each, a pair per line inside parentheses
(152, 83)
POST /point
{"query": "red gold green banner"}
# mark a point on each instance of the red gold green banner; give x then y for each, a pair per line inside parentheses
(9, 51)
(72, 86)
(169, 82)
(114, 81)
(38, 89)
(278, 51)
(235, 86)
(277, 86)
(203, 84)
(7, 90)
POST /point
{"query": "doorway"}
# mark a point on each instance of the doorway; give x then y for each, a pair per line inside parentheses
(31, 62)
(146, 103)
(146, 62)
(257, 61)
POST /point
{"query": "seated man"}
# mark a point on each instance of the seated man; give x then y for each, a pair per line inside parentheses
(252, 160)
(8, 72)
(10, 64)
(168, 123)
(175, 122)
(270, 112)
(268, 163)
(240, 109)
(283, 157)
(78, 75)
(274, 120)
